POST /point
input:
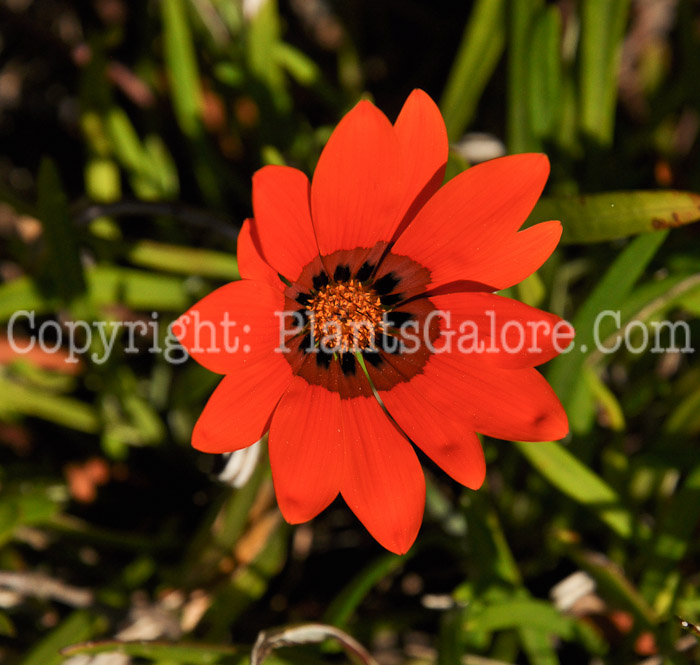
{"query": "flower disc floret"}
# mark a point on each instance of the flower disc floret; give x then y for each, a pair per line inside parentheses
(347, 316)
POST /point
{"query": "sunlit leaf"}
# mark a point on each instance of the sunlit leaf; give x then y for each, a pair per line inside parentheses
(601, 217)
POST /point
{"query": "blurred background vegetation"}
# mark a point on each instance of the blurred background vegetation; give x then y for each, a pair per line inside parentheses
(129, 132)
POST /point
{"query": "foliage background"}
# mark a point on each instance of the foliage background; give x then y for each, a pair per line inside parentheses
(160, 111)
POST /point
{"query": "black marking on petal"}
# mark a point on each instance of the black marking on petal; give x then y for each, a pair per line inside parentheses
(386, 284)
(303, 298)
(347, 364)
(304, 314)
(389, 344)
(308, 344)
(320, 280)
(391, 300)
(373, 358)
(365, 271)
(323, 359)
(397, 319)
(342, 273)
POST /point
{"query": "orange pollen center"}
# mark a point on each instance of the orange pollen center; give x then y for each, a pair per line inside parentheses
(347, 316)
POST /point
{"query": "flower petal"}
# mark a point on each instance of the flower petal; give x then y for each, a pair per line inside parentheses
(251, 263)
(358, 187)
(502, 331)
(451, 444)
(283, 219)
(233, 327)
(518, 256)
(512, 404)
(467, 230)
(306, 450)
(382, 480)
(423, 151)
(238, 413)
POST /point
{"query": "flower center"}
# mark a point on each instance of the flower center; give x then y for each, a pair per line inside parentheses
(347, 316)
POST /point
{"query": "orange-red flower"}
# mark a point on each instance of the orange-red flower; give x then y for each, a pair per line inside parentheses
(340, 277)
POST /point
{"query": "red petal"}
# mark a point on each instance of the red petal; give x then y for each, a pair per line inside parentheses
(513, 404)
(306, 450)
(238, 413)
(251, 264)
(451, 444)
(518, 256)
(501, 331)
(382, 480)
(423, 151)
(468, 228)
(358, 187)
(283, 219)
(233, 327)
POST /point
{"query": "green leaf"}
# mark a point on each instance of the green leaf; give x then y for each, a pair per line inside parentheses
(538, 647)
(137, 289)
(191, 654)
(520, 613)
(348, 600)
(7, 628)
(602, 30)
(77, 627)
(673, 538)
(545, 71)
(601, 217)
(23, 294)
(685, 417)
(263, 40)
(181, 67)
(612, 583)
(477, 56)
(64, 267)
(606, 400)
(184, 260)
(574, 479)
(66, 411)
(609, 294)
(521, 137)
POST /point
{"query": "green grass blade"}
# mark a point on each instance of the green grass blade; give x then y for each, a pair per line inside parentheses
(521, 137)
(602, 30)
(521, 613)
(349, 599)
(609, 294)
(78, 627)
(545, 71)
(64, 267)
(65, 411)
(191, 654)
(183, 260)
(477, 56)
(574, 479)
(181, 67)
(674, 537)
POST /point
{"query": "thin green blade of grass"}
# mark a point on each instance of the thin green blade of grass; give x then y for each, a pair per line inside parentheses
(79, 626)
(609, 294)
(348, 600)
(545, 71)
(671, 543)
(521, 137)
(574, 479)
(181, 67)
(477, 56)
(183, 260)
(64, 267)
(602, 30)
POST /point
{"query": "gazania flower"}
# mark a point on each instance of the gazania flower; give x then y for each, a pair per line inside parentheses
(365, 321)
